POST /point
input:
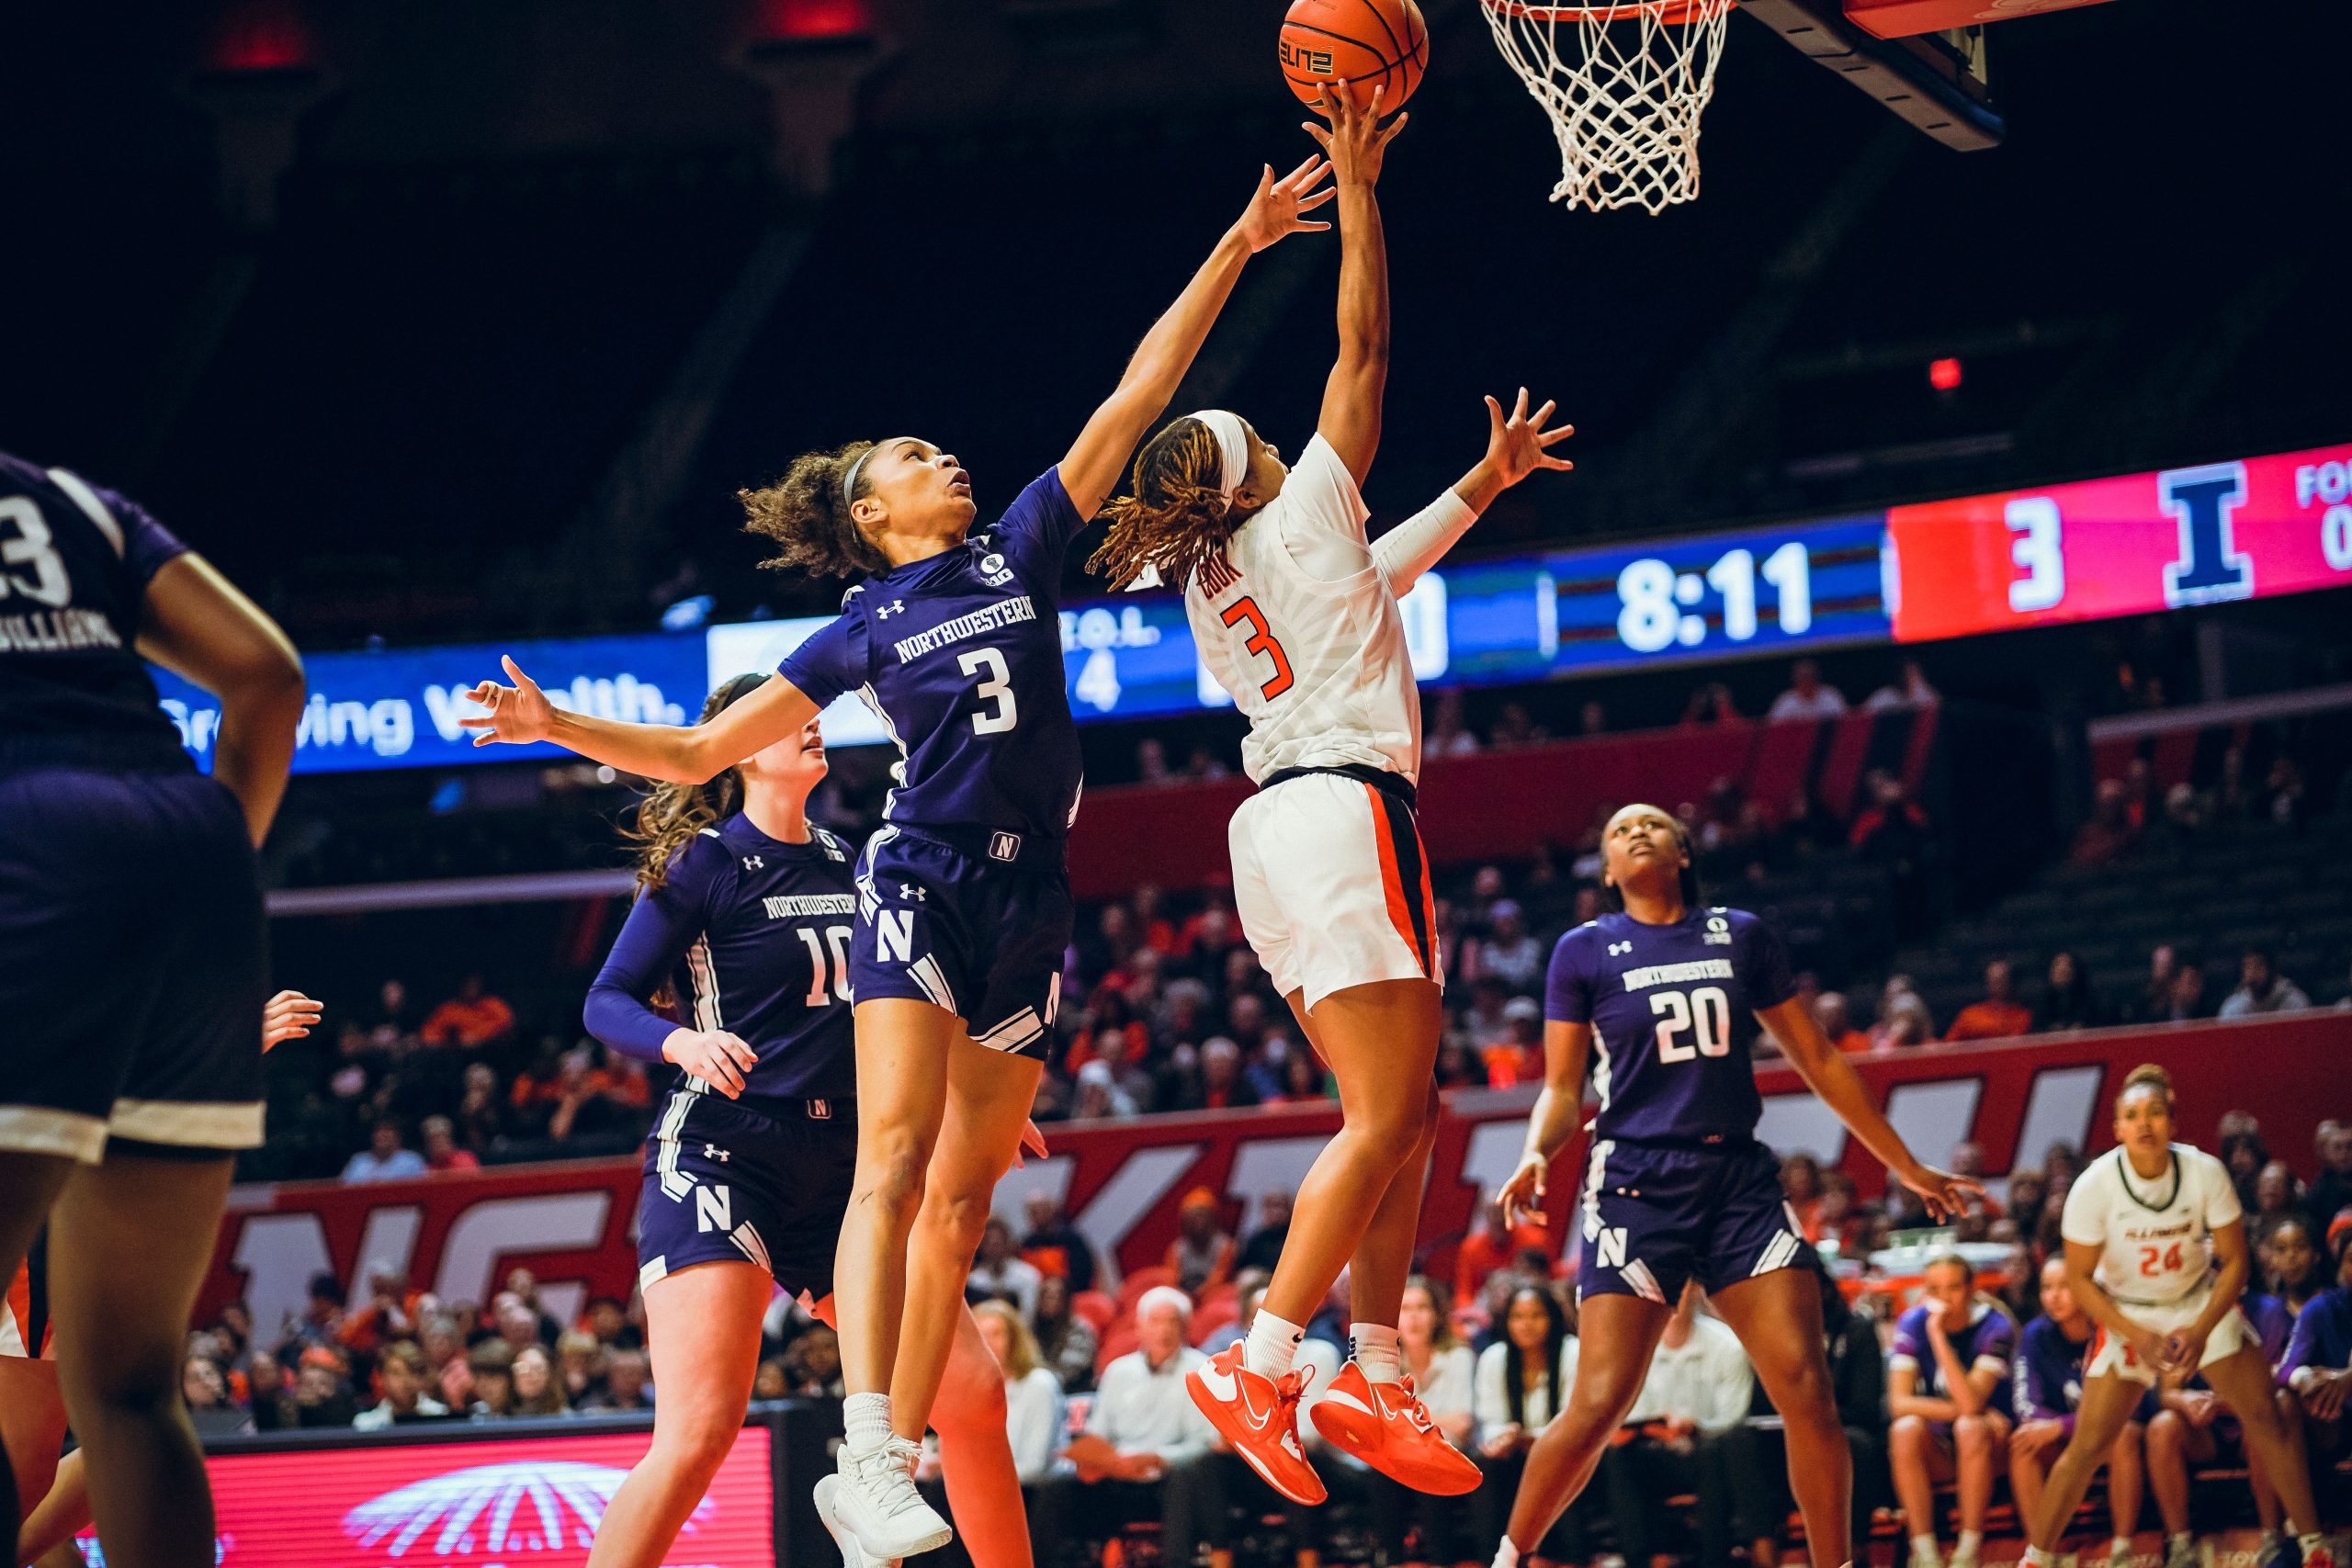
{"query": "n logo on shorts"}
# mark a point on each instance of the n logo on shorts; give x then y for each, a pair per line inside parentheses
(894, 935)
(714, 1208)
(1611, 1248)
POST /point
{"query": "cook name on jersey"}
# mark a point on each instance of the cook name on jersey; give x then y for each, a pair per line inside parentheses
(1673, 1015)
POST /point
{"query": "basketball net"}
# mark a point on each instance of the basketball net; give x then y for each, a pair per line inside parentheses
(1623, 85)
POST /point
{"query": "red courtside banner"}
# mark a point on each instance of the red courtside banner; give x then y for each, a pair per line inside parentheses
(572, 1223)
(2137, 545)
(521, 1503)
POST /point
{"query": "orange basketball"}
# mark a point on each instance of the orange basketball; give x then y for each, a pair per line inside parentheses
(1356, 45)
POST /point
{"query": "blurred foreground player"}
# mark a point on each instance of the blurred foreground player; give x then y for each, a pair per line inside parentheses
(1665, 999)
(744, 917)
(131, 965)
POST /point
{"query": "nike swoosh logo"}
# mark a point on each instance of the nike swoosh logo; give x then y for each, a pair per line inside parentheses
(1222, 1386)
(1341, 1397)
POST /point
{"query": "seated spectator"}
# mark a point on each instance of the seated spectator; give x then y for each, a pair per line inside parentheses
(580, 1366)
(1908, 689)
(1055, 1247)
(998, 1273)
(626, 1375)
(2293, 1269)
(491, 1367)
(1263, 1248)
(1902, 1021)
(1201, 1255)
(2317, 1367)
(2154, 1000)
(1510, 952)
(1223, 1087)
(1145, 1453)
(1100, 1097)
(1302, 1080)
(401, 1374)
(1515, 726)
(473, 1018)
(2332, 1193)
(2108, 834)
(1518, 1057)
(206, 1393)
(1520, 1382)
(2191, 1424)
(1491, 1244)
(1830, 1012)
(388, 1314)
(2046, 1387)
(269, 1393)
(1711, 704)
(481, 1119)
(2187, 1001)
(538, 1390)
(1066, 1341)
(1808, 696)
(1033, 1395)
(1692, 1434)
(1801, 1187)
(392, 1028)
(322, 1319)
(1448, 736)
(2261, 988)
(1999, 1016)
(1444, 1375)
(1948, 1390)
(812, 1367)
(441, 1150)
(323, 1394)
(2277, 1196)
(384, 1159)
(2067, 999)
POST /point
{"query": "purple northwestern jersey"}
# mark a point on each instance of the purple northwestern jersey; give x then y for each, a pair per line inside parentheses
(753, 934)
(75, 565)
(1990, 1339)
(961, 656)
(2047, 1380)
(1673, 1015)
(2323, 1337)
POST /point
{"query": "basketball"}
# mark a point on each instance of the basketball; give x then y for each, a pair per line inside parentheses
(1358, 45)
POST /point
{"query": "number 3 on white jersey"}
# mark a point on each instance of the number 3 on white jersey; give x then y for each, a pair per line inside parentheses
(1704, 1012)
(996, 688)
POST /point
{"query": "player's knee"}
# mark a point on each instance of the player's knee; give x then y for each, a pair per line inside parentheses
(2167, 1435)
(959, 1215)
(2290, 1408)
(891, 1172)
(1972, 1437)
(971, 1400)
(1906, 1440)
(693, 1448)
(2128, 1446)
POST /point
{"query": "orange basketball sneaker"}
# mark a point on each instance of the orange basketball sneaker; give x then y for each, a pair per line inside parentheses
(1258, 1417)
(1386, 1425)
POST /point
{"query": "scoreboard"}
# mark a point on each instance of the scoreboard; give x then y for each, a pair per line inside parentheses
(2138, 545)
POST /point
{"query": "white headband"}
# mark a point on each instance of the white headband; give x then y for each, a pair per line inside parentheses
(849, 480)
(1232, 446)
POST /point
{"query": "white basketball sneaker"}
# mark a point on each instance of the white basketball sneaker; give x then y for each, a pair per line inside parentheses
(853, 1555)
(875, 1504)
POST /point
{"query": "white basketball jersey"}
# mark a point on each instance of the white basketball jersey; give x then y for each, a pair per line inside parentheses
(2155, 1236)
(1319, 666)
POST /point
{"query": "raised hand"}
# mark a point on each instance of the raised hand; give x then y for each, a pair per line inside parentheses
(1355, 140)
(1517, 445)
(714, 1055)
(287, 1016)
(1280, 206)
(517, 715)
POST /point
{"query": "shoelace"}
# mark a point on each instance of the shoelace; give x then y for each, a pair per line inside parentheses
(892, 1465)
(1414, 1411)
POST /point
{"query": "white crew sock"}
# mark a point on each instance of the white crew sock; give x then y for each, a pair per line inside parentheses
(1925, 1553)
(1506, 1555)
(1273, 1345)
(1374, 1346)
(1966, 1548)
(865, 1421)
(2036, 1558)
(2120, 1550)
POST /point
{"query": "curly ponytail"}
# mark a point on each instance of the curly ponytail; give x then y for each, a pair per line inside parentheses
(807, 516)
(1177, 520)
(674, 813)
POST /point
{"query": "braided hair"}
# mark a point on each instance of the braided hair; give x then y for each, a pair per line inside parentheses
(1178, 519)
(806, 513)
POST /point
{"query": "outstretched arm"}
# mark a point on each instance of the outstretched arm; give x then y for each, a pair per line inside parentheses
(1516, 447)
(1090, 470)
(1829, 1075)
(1558, 1107)
(676, 754)
(1356, 141)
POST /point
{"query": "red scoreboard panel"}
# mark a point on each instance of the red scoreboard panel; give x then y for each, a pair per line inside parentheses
(2144, 543)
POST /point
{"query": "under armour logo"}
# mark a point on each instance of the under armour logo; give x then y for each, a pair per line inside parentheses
(752, 862)
(909, 890)
(895, 607)
(712, 1151)
(1619, 949)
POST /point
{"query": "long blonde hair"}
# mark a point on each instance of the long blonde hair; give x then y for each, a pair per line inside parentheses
(1026, 1357)
(674, 813)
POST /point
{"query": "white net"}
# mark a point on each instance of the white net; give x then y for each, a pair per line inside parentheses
(1623, 85)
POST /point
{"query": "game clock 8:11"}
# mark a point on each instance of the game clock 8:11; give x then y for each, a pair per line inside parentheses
(1661, 608)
